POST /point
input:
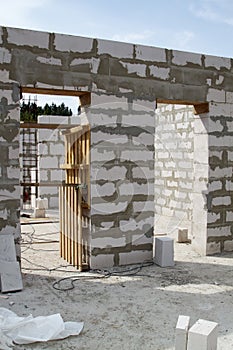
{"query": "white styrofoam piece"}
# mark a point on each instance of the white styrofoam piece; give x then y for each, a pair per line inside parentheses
(182, 327)
(203, 336)
(7, 248)
(11, 279)
(164, 251)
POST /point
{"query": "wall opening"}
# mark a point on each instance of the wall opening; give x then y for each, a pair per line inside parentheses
(42, 154)
(176, 167)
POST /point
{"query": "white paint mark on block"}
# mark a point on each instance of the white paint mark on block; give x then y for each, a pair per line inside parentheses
(182, 327)
(203, 336)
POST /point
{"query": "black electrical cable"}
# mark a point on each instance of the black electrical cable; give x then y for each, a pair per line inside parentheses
(132, 271)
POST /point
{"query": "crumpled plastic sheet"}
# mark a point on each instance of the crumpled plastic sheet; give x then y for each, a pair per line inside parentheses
(26, 330)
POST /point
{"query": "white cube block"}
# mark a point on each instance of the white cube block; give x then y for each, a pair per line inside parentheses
(164, 251)
(182, 327)
(39, 213)
(42, 203)
(182, 235)
(203, 336)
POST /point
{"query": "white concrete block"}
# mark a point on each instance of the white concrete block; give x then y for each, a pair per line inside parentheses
(182, 327)
(56, 175)
(11, 279)
(51, 61)
(164, 251)
(4, 76)
(229, 97)
(203, 336)
(183, 235)
(42, 203)
(101, 261)
(107, 242)
(228, 246)
(28, 38)
(223, 201)
(102, 156)
(72, 43)
(39, 213)
(7, 248)
(219, 109)
(108, 208)
(115, 173)
(13, 172)
(143, 206)
(135, 120)
(143, 172)
(145, 139)
(147, 53)
(229, 185)
(139, 69)
(54, 202)
(104, 138)
(213, 248)
(5, 55)
(137, 156)
(183, 58)
(135, 257)
(216, 95)
(229, 216)
(57, 149)
(135, 188)
(115, 49)
(217, 62)
(215, 185)
(107, 189)
(219, 231)
(213, 217)
(47, 162)
(159, 72)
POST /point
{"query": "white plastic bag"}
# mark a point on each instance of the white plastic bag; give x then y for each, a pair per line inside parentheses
(26, 330)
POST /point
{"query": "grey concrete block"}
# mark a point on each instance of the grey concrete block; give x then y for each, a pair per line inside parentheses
(7, 248)
(11, 279)
(164, 251)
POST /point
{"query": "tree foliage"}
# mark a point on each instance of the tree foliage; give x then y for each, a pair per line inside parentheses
(30, 111)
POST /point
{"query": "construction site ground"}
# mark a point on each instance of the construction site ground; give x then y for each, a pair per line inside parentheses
(132, 310)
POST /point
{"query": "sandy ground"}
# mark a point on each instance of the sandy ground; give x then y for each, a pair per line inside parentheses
(123, 312)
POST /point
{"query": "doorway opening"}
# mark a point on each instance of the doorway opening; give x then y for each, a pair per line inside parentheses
(177, 172)
(48, 113)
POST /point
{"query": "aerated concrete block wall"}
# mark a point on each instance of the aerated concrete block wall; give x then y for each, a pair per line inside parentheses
(174, 168)
(137, 74)
(220, 191)
(51, 152)
(9, 157)
(122, 180)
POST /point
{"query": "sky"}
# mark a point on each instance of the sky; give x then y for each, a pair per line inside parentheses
(202, 26)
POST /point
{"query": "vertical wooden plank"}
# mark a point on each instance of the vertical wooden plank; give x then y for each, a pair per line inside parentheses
(60, 221)
(88, 168)
(67, 202)
(69, 221)
(75, 223)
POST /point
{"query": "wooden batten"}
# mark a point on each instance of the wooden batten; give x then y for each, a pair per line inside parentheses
(75, 215)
